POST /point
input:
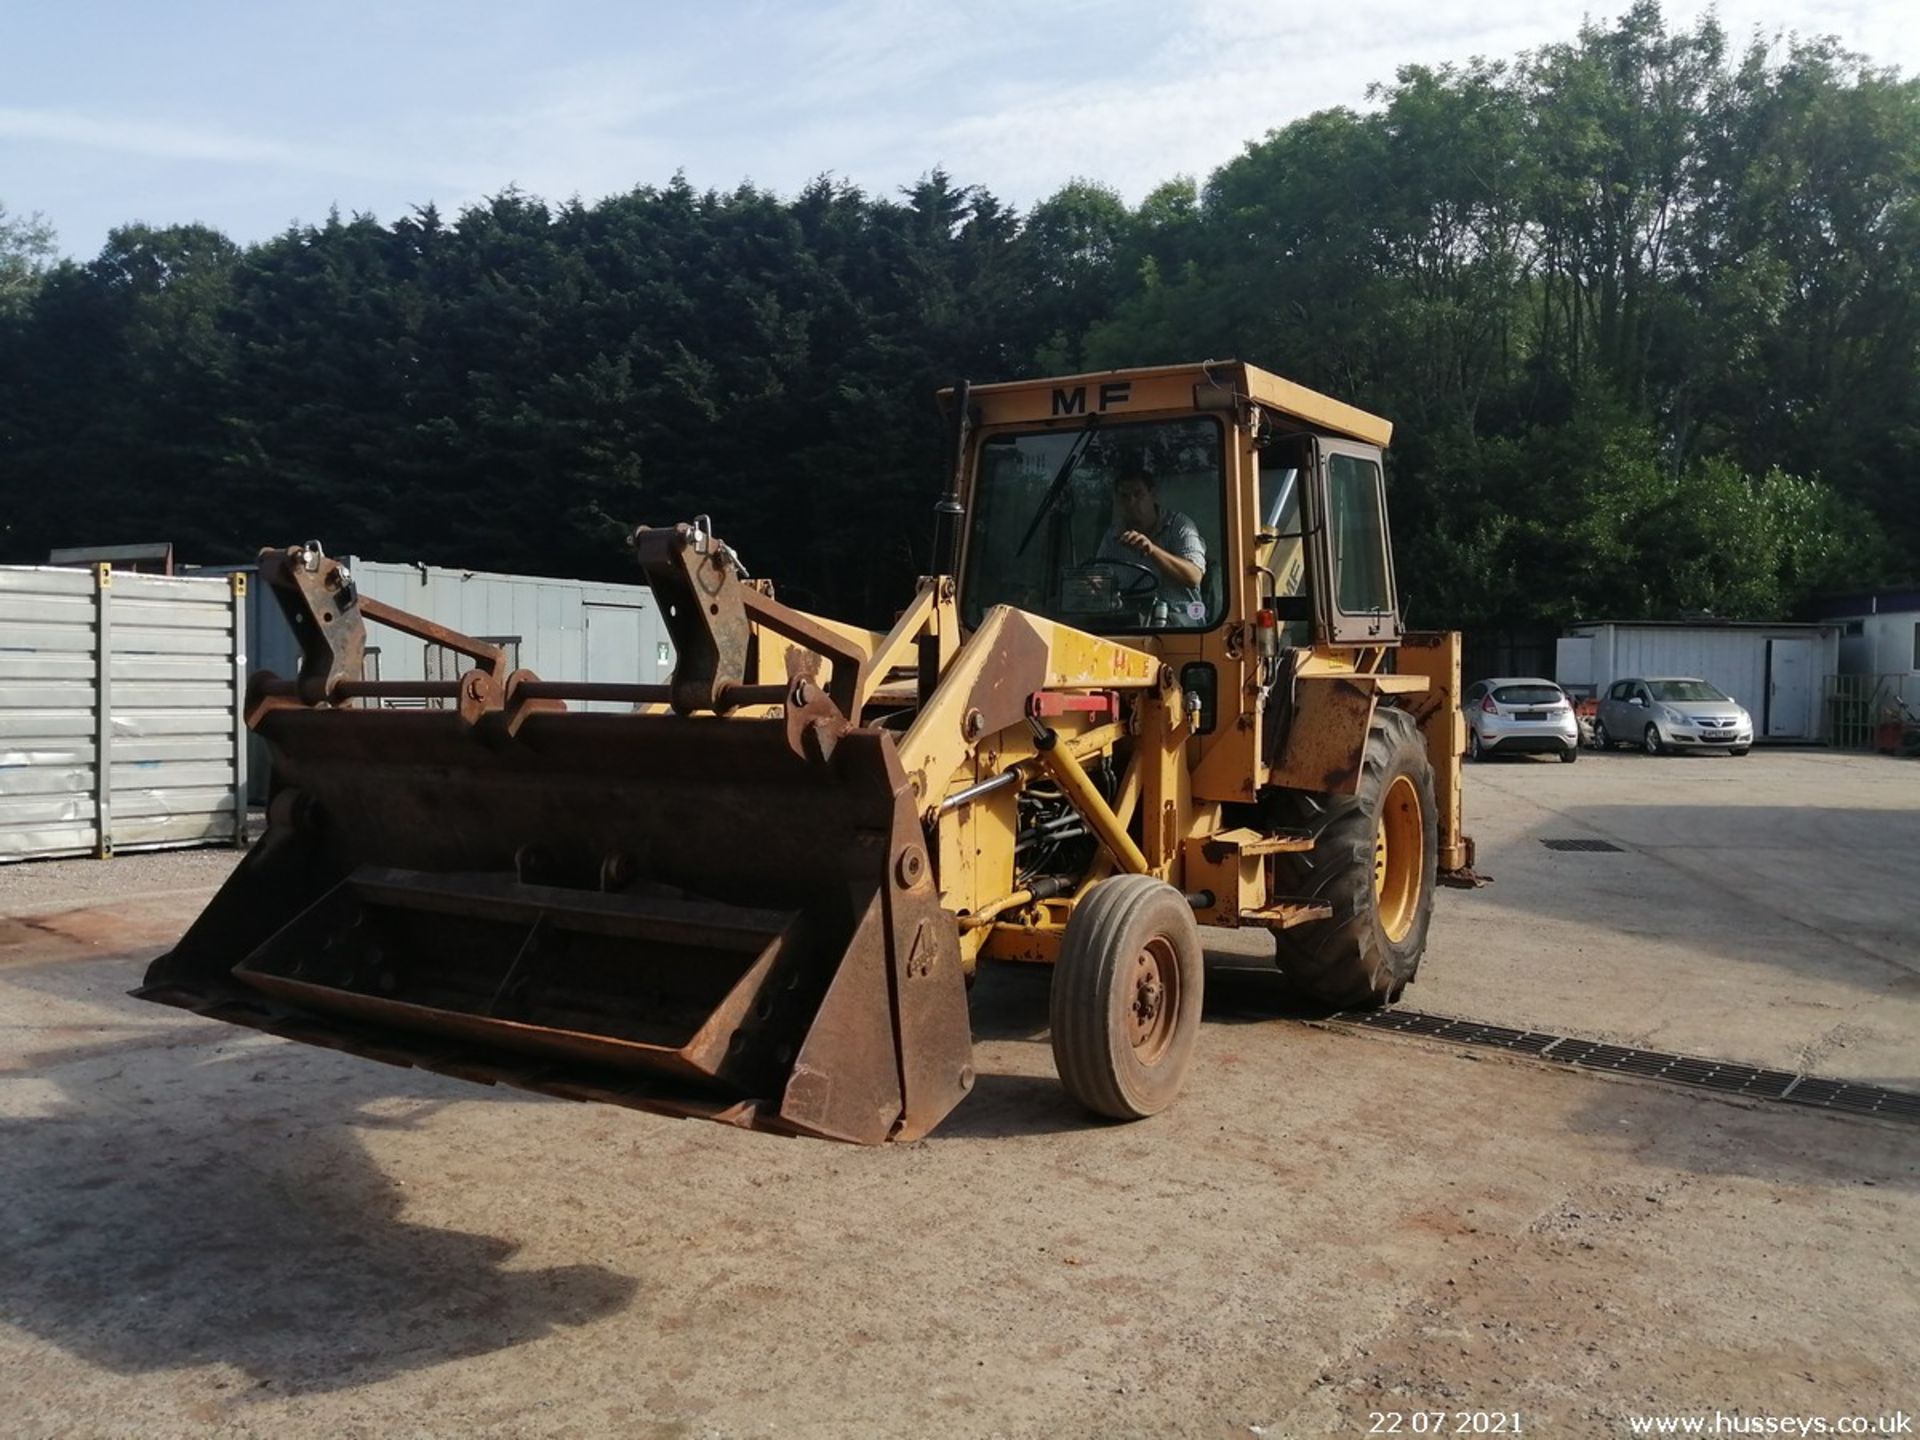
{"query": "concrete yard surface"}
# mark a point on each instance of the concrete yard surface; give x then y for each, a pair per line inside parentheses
(209, 1231)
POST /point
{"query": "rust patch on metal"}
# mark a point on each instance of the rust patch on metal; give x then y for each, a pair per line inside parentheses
(1327, 739)
(814, 723)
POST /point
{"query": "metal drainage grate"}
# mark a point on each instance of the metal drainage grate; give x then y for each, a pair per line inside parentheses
(1594, 845)
(1721, 1075)
(1858, 1099)
(1439, 1027)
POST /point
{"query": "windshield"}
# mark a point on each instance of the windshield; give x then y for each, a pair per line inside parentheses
(1114, 529)
(1528, 695)
(1680, 691)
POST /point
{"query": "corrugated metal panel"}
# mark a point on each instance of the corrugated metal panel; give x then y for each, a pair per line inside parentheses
(177, 758)
(170, 730)
(49, 667)
(1735, 660)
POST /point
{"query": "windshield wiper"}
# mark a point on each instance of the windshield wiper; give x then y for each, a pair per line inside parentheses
(1051, 500)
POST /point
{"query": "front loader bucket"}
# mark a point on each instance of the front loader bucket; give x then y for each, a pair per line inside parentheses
(678, 913)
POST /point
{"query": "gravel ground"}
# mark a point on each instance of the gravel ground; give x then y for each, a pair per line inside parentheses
(41, 885)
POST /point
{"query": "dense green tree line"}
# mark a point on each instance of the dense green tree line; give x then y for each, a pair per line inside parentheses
(1645, 308)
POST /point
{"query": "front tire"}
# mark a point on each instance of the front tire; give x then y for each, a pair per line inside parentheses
(1126, 999)
(1650, 740)
(1374, 860)
(1740, 751)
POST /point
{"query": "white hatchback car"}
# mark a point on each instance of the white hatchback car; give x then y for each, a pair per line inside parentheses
(1520, 716)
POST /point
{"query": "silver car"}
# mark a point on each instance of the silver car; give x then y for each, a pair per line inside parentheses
(1664, 717)
(1520, 715)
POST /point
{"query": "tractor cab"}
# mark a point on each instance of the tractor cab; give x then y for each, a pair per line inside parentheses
(1189, 500)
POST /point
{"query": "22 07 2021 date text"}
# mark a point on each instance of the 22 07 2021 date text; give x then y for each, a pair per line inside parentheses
(1443, 1422)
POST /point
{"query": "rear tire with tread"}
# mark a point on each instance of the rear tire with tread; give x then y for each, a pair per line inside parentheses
(1131, 946)
(1349, 959)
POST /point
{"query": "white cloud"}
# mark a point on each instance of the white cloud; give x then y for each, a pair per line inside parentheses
(157, 139)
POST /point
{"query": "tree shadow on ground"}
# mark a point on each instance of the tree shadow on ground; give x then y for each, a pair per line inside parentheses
(146, 1237)
(1819, 891)
(1693, 1131)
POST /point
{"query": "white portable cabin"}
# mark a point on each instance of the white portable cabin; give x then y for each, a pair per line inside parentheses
(1879, 633)
(1778, 671)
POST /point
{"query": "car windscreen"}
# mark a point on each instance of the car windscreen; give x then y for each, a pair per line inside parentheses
(1528, 695)
(1681, 691)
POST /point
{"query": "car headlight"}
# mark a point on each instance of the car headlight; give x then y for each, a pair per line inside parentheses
(1672, 717)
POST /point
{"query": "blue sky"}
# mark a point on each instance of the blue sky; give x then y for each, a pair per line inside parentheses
(252, 116)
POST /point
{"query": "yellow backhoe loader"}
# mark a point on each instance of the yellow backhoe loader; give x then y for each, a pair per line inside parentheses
(1160, 683)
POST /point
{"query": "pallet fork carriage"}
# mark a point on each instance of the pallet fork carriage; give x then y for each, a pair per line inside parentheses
(760, 895)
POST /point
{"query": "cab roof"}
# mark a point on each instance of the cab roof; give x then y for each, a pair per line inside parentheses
(1172, 387)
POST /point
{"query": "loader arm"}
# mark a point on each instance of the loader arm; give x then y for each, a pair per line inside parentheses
(988, 688)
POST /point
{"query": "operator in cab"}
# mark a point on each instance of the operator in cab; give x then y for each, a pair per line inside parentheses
(1155, 537)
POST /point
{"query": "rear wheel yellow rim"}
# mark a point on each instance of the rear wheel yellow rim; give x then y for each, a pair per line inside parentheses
(1399, 858)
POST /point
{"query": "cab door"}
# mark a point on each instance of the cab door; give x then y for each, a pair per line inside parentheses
(1357, 604)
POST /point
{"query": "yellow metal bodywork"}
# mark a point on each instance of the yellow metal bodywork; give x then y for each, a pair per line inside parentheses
(1434, 656)
(1175, 812)
(1174, 389)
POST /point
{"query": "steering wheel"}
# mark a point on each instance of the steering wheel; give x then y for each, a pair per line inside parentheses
(1142, 585)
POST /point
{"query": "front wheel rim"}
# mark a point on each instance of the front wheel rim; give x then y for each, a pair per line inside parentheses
(1153, 1000)
(1399, 858)
(1652, 739)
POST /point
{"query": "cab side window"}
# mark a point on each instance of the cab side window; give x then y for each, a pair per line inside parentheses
(1359, 535)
